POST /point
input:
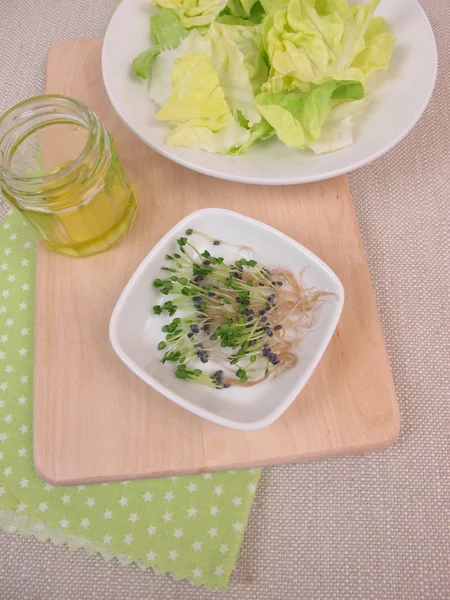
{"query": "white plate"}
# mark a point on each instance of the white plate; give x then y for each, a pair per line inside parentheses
(397, 99)
(135, 331)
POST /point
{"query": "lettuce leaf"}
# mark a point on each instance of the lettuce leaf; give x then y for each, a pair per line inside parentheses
(198, 108)
(241, 8)
(161, 83)
(249, 42)
(311, 41)
(297, 117)
(194, 134)
(196, 93)
(261, 131)
(193, 13)
(271, 6)
(377, 53)
(228, 19)
(166, 29)
(228, 61)
(143, 62)
(337, 130)
(167, 32)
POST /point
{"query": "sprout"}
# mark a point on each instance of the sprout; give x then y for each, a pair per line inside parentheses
(228, 314)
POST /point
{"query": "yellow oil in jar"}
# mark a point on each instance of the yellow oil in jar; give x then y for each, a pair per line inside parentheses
(84, 212)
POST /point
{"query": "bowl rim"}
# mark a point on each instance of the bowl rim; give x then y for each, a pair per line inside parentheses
(178, 399)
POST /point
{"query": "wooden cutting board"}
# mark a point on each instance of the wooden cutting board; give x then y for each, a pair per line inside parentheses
(96, 421)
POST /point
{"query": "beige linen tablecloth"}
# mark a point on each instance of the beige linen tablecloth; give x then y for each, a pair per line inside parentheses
(370, 527)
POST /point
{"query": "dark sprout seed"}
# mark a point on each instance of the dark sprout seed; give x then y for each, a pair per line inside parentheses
(252, 342)
(263, 319)
(206, 263)
(262, 312)
(268, 331)
(216, 243)
(194, 328)
(190, 335)
(278, 327)
(206, 328)
(226, 385)
(211, 294)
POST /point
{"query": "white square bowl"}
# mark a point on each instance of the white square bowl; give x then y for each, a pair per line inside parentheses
(135, 331)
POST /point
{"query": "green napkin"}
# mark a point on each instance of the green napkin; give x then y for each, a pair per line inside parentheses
(190, 526)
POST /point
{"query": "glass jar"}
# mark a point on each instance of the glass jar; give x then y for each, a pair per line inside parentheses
(60, 168)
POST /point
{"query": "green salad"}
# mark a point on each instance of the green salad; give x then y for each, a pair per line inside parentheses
(228, 73)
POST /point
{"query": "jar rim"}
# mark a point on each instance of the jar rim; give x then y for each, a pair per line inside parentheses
(71, 166)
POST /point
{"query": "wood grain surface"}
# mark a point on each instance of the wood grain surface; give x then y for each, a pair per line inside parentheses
(96, 421)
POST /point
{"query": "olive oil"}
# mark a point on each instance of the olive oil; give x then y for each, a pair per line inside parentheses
(67, 180)
(88, 220)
